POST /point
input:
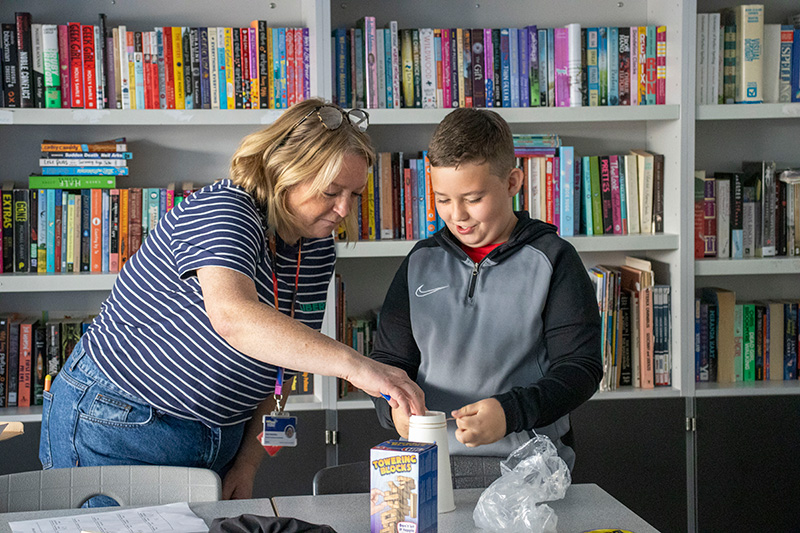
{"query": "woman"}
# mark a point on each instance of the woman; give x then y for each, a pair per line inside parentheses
(188, 350)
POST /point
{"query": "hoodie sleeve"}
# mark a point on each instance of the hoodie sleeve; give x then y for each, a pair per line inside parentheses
(572, 337)
(394, 342)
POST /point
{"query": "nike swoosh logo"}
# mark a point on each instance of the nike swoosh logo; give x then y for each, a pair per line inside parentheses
(422, 293)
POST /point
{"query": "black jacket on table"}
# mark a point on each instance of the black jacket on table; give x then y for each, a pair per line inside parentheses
(521, 326)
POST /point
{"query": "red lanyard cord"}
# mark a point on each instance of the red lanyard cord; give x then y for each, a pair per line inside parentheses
(279, 376)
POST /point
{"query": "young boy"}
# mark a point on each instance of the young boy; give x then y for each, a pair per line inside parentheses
(494, 316)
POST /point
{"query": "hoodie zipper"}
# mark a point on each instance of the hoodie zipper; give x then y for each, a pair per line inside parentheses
(474, 278)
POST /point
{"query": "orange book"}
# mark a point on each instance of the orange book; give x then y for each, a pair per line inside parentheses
(96, 236)
(123, 227)
(25, 362)
(430, 207)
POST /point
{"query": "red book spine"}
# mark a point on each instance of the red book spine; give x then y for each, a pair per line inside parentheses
(63, 65)
(409, 204)
(244, 39)
(25, 364)
(89, 74)
(154, 77)
(76, 65)
(96, 237)
(291, 74)
(169, 75)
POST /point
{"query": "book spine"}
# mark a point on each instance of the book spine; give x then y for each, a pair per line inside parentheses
(795, 80)
(7, 235)
(574, 62)
(534, 84)
(650, 65)
(613, 66)
(427, 68)
(661, 65)
(25, 364)
(416, 55)
(58, 242)
(513, 62)
(478, 69)
(561, 41)
(790, 340)
(505, 67)
(22, 211)
(76, 65)
(605, 192)
(12, 369)
(89, 67)
(52, 74)
(3, 360)
(616, 200)
(624, 59)
(188, 73)
(593, 74)
(602, 64)
(749, 67)
(10, 66)
(723, 198)
(523, 70)
(70, 226)
(24, 59)
(113, 231)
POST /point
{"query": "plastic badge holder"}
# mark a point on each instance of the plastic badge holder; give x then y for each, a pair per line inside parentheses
(533, 473)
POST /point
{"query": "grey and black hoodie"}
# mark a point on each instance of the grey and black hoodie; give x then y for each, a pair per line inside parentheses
(521, 326)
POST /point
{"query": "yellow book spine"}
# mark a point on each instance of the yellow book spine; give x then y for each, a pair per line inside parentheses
(271, 74)
(642, 62)
(124, 230)
(407, 58)
(131, 68)
(177, 67)
(229, 93)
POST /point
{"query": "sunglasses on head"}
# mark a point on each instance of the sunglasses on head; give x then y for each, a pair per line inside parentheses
(332, 117)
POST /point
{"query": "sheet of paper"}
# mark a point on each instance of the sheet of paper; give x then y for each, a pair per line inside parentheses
(174, 517)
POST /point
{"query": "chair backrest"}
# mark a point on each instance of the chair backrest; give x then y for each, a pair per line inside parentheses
(469, 472)
(138, 485)
(342, 479)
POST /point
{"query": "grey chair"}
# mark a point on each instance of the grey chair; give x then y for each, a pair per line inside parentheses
(69, 488)
(468, 471)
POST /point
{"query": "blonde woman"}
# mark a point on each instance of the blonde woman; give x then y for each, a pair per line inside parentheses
(188, 352)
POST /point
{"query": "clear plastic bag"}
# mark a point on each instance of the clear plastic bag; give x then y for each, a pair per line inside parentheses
(533, 473)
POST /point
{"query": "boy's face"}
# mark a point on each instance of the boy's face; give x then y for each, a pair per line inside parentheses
(476, 204)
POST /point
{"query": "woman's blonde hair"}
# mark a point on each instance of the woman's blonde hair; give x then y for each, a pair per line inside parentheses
(270, 162)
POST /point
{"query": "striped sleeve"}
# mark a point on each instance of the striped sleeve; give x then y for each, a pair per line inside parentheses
(218, 230)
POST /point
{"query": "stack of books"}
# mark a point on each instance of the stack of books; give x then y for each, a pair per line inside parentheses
(81, 166)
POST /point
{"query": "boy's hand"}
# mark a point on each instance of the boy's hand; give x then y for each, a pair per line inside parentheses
(482, 422)
(400, 422)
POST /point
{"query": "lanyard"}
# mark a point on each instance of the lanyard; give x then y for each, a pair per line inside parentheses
(279, 377)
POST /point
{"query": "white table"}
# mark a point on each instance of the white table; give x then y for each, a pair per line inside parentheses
(585, 507)
(208, 511)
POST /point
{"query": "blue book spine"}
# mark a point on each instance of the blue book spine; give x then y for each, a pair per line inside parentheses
(613, 66)
(796, 66)
(542, 42)
(505, 67)
(276, 68)
(623, 194)
(282, 78)
(51, 230)
(412, 166)
(387, 52)
(223, 85)
(138, 75)
(105, 226)
(567, 179)
(84, 171)
(592, 69)
(587, 196)
(64, 210)
(602, 63)
(513, 62)
(162, 202)
(551, 68)
(524, 60)
(342, 58)
(421, 196)
(205, 79)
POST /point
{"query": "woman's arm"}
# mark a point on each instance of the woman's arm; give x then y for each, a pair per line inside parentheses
(261, 332)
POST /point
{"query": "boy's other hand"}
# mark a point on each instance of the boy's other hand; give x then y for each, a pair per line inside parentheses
(401, 421)
(482, 422)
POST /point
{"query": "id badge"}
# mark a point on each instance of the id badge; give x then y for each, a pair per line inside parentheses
(279, 430)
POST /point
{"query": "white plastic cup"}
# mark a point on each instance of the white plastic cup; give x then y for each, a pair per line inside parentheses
(432, 428)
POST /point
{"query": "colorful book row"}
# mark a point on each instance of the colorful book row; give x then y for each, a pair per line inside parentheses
(91, 230)
(744, 341)
(752, 213)
(567, 66)
(96, 67)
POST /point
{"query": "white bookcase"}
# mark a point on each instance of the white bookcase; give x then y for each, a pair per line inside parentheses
(179, 146)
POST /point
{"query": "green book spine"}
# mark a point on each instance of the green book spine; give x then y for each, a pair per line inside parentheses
(749, 341)
(72, 182)
(597, 208)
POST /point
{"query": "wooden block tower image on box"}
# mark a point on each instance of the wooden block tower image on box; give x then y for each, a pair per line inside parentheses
(403, 483)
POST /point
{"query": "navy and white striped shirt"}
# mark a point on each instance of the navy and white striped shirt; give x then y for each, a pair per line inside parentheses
(153, 337)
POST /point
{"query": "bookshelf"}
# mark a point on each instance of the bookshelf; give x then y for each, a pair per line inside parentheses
(177, 146)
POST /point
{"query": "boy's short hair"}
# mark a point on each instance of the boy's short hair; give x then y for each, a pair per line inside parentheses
(476, 136)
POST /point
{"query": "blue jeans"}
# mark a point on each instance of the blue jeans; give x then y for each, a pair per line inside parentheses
(89, 421)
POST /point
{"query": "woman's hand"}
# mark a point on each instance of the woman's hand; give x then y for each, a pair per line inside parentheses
(378, 379)
(482, 422)
(238, 482)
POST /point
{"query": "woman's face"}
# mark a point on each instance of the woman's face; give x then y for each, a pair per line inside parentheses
(319, 214)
